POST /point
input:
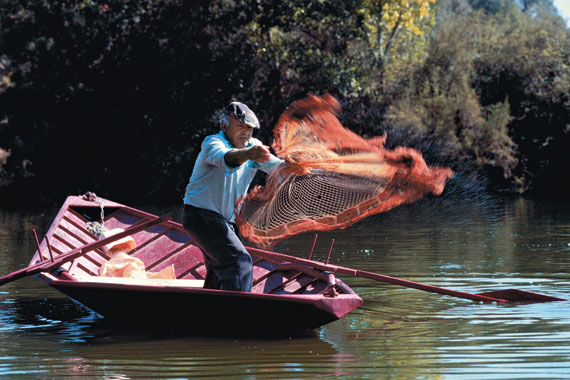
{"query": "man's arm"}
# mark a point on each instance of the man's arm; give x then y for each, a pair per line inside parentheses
(236, 157)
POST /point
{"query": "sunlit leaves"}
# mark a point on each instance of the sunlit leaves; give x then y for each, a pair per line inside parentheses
(355, 46)
(495, 87)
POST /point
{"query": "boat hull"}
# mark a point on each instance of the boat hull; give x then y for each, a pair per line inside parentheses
(284, 296)
(208, 309)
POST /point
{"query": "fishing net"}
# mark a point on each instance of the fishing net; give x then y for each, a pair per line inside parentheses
(332, 178)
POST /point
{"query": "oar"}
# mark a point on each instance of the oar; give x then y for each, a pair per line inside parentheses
(499, 296)
(48, 266)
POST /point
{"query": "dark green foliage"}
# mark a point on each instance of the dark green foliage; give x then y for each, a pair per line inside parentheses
(115, 97)
(496, 88)
(489, 6)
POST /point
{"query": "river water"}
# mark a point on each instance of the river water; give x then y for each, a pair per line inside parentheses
(398, 333)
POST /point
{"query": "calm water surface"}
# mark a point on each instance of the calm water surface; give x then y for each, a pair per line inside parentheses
(398, 333)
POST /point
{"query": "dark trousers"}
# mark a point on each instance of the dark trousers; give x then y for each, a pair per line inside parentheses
(228, 264)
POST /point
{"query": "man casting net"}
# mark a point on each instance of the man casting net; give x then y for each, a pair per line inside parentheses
(332, 178)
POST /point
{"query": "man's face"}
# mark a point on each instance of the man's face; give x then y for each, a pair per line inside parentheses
(238, 132)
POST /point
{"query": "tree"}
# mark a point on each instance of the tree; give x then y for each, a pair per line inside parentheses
(496, 87)
(122, 92)
(350, 48)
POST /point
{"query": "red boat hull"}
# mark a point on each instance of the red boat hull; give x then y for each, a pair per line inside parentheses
(285, 296)
(211, 309)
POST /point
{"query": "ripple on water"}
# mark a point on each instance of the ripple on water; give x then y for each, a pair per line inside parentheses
(398, 333)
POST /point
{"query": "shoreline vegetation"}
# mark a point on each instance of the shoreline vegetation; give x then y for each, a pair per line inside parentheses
(115, 97)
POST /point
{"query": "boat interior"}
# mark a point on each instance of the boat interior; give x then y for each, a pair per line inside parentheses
(160, 247)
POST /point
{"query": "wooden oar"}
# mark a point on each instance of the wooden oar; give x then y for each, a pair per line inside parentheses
(499, 296)
(48, 266)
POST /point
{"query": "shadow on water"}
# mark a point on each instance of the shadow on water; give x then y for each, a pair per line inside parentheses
(26, 313)
(71, 322)
(57, 338)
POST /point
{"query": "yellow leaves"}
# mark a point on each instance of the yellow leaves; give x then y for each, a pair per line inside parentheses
(397, 18)
(397, 34)
(5, 74)
(424, 9)
(6, 81)
(406, 14)
(365, 46)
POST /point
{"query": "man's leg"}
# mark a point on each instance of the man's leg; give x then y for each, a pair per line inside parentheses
(211, 281)
(224, 253)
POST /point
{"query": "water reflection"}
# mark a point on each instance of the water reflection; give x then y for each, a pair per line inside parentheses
(398, 333)
(88, 347)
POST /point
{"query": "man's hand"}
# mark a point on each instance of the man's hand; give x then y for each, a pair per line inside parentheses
(259, 153)
(236, 157)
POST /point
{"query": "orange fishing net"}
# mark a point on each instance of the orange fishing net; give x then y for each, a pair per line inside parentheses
(332, 177)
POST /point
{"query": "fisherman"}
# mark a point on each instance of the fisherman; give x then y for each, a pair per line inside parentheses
(222, 174)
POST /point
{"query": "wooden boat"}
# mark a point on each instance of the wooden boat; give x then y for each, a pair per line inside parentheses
(285, 296)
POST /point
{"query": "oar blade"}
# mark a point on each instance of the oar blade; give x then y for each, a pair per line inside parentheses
(520, 296)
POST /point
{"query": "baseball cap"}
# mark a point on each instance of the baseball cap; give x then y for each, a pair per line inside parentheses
(242, 113)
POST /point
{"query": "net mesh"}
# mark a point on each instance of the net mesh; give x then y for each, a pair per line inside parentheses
(332, 177)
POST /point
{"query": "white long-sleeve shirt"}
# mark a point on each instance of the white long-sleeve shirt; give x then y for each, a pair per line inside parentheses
(214, 185)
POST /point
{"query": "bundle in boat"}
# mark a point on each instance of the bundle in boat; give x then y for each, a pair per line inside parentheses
(124, 265)
(332, 177)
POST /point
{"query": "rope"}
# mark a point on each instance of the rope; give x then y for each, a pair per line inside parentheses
(96, 228)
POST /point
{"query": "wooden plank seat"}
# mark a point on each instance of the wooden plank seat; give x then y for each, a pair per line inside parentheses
(141, 281)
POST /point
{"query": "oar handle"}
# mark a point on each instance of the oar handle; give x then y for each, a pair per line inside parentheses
(47, 266)
(425, 287)
(370, 275)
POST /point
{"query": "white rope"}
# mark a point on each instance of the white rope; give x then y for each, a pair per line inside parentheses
(96, 228)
